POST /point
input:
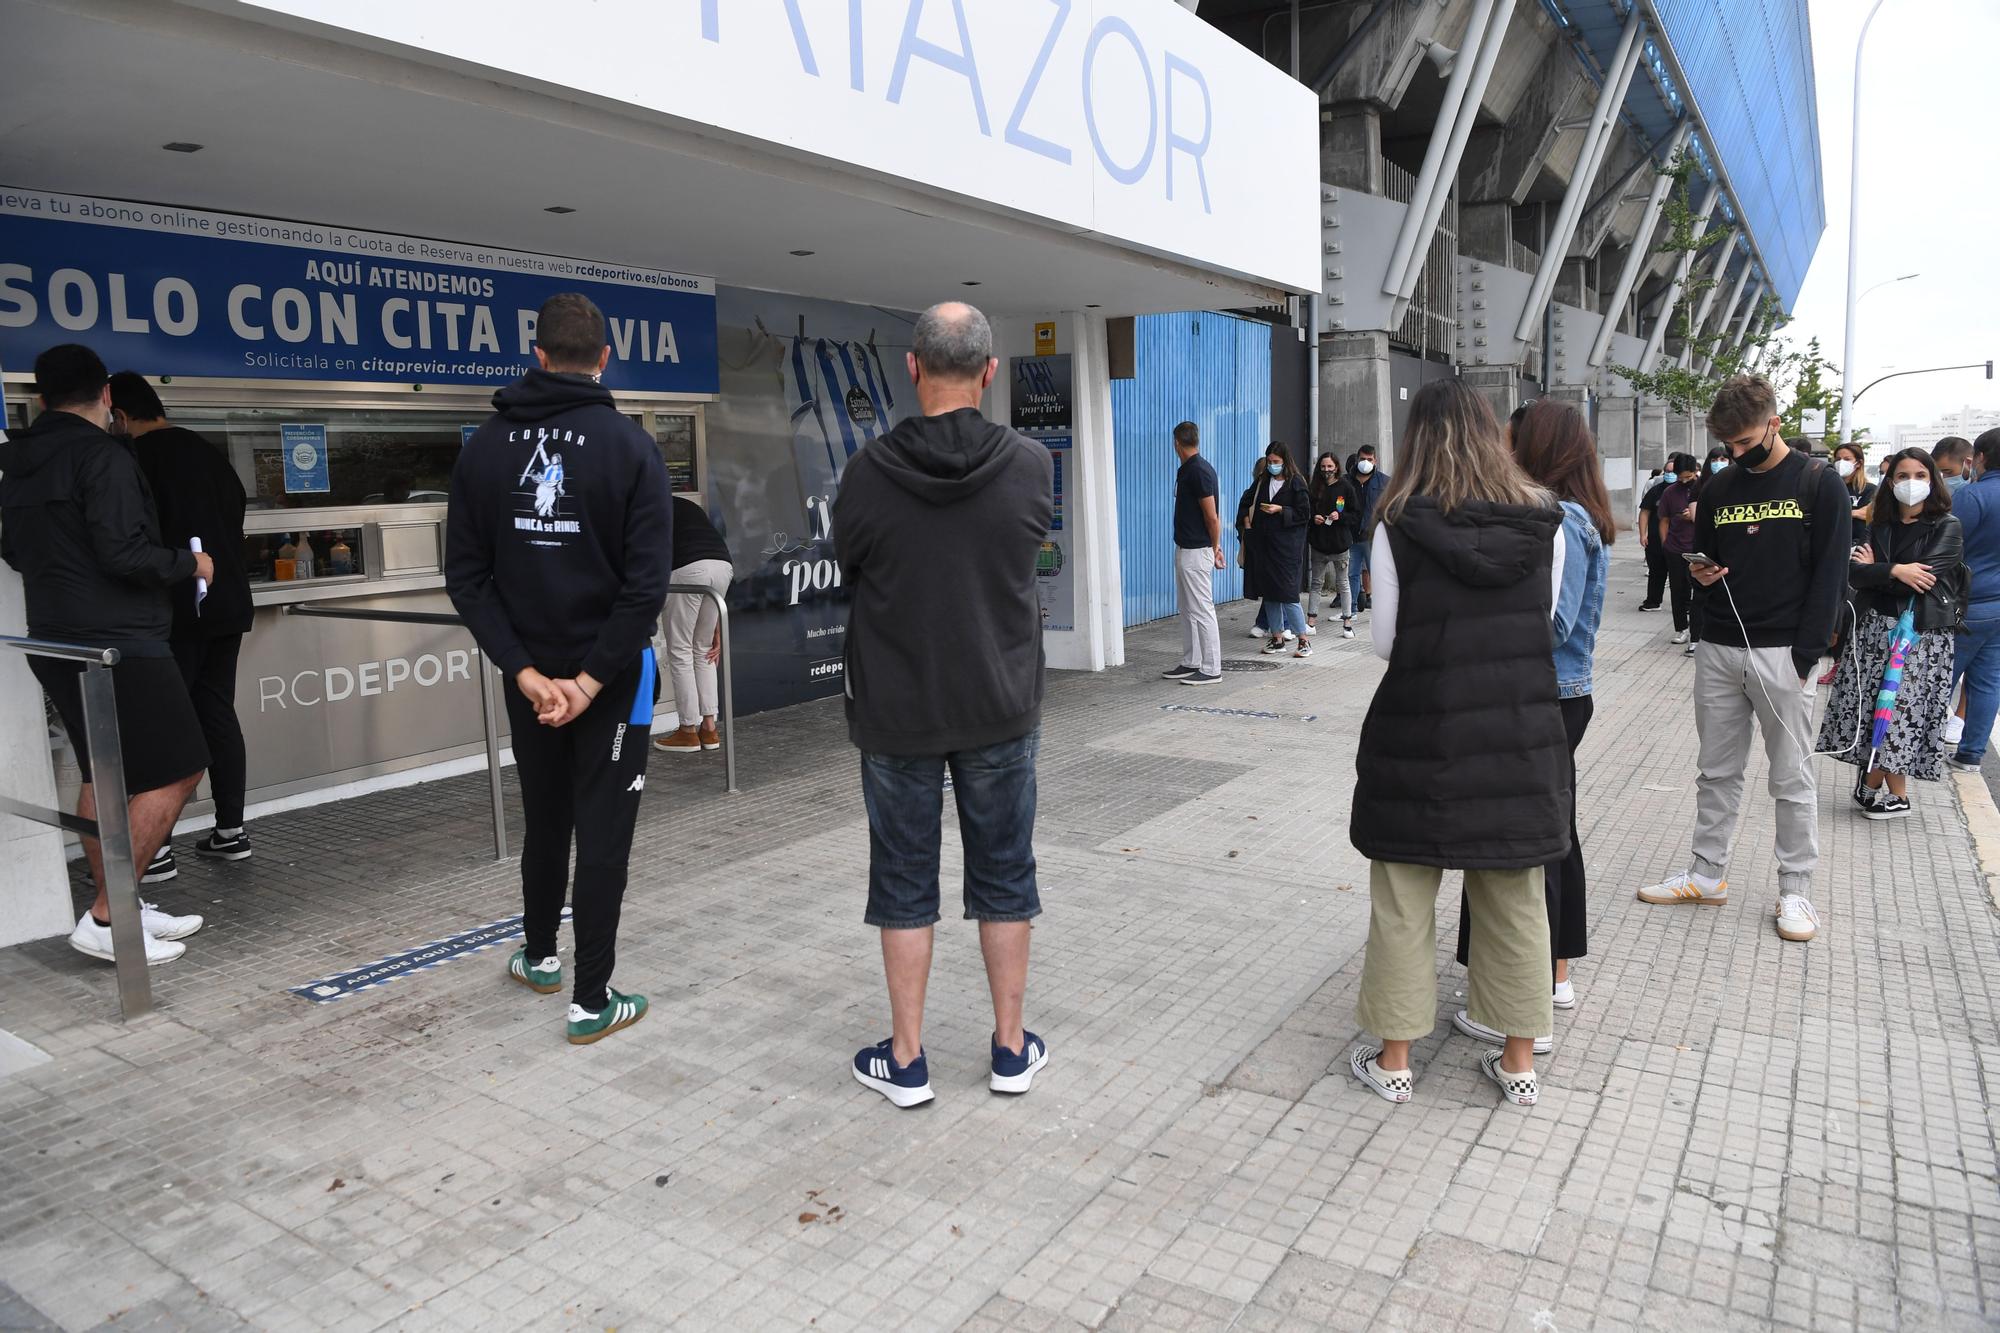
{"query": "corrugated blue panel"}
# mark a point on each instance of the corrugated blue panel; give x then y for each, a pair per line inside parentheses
(1215, 371)
(1749, 67)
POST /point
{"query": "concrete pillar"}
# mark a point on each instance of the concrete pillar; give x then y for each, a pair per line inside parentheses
(1350, 147)
(1618, 452)
(1652, 435)
(1355, 395)
(1485, 231)
(1573, 285)
(1499, 385)
(1680, 440)
(34, 883)
(1088, 504)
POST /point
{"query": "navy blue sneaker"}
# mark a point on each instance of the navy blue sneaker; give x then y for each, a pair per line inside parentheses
(905, 1085)
(1014, 1071)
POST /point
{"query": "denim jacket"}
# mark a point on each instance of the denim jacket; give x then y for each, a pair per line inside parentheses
(1579, 608)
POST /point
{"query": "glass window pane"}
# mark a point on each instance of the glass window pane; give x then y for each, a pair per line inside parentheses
(372, 455)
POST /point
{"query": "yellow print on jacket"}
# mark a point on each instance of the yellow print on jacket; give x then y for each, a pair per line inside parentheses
(1763, 511)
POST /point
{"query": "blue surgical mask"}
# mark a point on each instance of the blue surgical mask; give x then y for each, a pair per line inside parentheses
(1718, 465)
(1275, 469)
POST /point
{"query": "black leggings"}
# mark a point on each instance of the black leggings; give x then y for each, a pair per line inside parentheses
(208, 665)
(583, 779)
(1656, 569)
(1681, 585)
(1569, 936)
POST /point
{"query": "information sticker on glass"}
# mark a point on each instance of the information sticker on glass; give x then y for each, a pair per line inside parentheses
(304, 445)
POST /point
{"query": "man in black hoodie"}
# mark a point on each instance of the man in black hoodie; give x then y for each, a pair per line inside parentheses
(200, 501)
(559, 549)
(937, 527)
(77, 521)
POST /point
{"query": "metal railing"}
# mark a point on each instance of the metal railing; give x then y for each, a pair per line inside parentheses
(113, 826)
(488, 700)
(1431, 322)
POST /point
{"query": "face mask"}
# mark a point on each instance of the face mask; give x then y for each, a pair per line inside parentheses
(1275, 469)
(1722, 463)
(1913, 492)
(1364, 467)
(1757, 454)
(1845, 467)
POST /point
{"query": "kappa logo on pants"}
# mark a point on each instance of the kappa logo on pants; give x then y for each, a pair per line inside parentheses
(638, 783)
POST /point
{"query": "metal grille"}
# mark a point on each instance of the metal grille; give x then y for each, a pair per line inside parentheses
(1431, 322)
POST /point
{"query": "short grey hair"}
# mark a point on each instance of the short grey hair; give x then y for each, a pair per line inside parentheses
(953, 341)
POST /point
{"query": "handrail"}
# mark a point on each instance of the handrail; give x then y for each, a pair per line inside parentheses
(113, 826)
(489, 713)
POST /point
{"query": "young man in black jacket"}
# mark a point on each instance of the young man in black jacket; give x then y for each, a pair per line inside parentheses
(200, 500)
(1772, 532)
(559, 550)
(937, 527)
(77, 521)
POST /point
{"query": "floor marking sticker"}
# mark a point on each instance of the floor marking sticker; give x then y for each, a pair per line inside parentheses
(1239, 712)
(420, 959)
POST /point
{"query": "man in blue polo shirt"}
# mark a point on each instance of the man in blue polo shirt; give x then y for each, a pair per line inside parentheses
(1976, 652)
(1197, 555)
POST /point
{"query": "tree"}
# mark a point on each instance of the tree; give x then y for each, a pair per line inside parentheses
(1809, 381)
(1692, 387)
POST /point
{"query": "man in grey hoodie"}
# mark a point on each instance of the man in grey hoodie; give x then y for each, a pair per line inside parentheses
(937, 528)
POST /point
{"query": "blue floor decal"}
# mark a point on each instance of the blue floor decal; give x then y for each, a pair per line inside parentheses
(423, 957)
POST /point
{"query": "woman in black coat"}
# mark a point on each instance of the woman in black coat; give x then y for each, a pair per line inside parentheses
(1280, 511)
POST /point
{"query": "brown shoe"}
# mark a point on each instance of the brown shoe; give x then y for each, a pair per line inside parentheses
(686, 740)
(711, 739)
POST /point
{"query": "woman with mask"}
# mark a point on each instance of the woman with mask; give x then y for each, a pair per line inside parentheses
(1676, 509)
(1246, 507)
(1280, 511)
(1914, 557)
(1554, 447)
(1336, 513)
(1853, 469)
(1463, 761)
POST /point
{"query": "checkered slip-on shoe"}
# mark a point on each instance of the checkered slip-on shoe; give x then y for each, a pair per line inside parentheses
(1522, 1089)
(1390, 1085)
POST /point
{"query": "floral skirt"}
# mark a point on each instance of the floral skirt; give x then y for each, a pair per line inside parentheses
(1915, 743)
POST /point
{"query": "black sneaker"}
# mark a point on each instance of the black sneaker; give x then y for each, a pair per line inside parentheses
(1646, 606)
(1890, 806)
(1201, 678)
(1963, 764)
(1177, 673)
(1864, 795)
(235, 847)
(161, 868)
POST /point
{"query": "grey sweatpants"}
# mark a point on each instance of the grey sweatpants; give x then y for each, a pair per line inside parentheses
(1731, 687)
(1201, 636)
(1329, 578)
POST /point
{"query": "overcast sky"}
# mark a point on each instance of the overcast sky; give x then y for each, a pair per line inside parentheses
(1930, 203)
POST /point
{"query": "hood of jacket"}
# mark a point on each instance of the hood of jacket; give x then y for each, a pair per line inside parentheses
(1482, 544)
(541, 394)
(27, 452)
(946, 458)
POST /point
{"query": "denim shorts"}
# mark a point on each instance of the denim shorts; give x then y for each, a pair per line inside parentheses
(995, 791)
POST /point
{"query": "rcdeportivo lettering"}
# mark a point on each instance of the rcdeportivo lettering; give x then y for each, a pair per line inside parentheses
(1761, 512)
(331, 685)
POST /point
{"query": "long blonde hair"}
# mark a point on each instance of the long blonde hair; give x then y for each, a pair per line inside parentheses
(1453, 452)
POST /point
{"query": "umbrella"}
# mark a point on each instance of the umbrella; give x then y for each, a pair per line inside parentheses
(1901, 639)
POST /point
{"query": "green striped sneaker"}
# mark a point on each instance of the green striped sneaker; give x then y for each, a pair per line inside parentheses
(544, 978)
(620, 1011)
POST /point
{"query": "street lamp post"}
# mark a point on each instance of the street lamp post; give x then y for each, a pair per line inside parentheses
(1853, 233)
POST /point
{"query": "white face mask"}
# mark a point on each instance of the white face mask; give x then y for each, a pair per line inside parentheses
(1913, 491)
(1845, 467)
(1364, 467)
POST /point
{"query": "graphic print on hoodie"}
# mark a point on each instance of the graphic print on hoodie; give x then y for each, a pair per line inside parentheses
(559, 535)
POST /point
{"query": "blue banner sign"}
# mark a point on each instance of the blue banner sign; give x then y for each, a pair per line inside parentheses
(170, 291)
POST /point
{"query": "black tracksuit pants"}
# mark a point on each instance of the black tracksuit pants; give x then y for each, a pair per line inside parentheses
(208, 665)
(1656, 567)
(583, 781)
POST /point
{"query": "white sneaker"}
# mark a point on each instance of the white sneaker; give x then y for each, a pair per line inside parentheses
(1680, 636)
(1797, 920)
(1310, 631)
(1565, 995)
(1954, 729)
(1682, 889)
(1256, 633)
(1286, 636)
(165, 926)
(95, 941)
(1492, 1037)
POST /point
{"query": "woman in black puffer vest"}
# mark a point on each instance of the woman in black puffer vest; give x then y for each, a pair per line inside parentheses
(1463, 761)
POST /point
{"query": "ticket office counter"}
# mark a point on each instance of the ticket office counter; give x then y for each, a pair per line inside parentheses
(330, 703)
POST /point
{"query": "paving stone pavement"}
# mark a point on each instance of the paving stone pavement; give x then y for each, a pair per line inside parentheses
(1734, 1131)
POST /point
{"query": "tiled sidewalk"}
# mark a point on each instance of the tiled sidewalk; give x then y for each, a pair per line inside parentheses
(1733, 1132)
